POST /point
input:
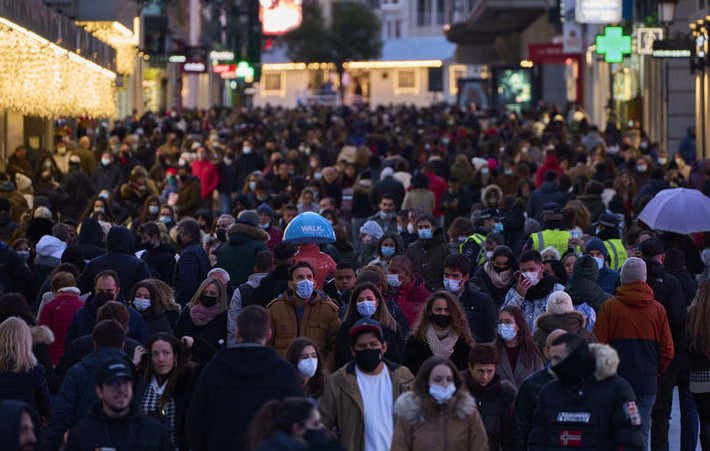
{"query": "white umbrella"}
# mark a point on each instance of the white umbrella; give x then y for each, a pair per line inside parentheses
(678, 210)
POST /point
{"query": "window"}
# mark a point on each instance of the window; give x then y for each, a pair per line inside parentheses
(398, 28)
(274, 84)
(389, 29)
(439, 12)
(407, 82)
(423, 13)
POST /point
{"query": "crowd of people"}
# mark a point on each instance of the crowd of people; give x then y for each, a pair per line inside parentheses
(490, 286)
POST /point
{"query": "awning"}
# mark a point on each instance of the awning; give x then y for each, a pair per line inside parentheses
(492, 18)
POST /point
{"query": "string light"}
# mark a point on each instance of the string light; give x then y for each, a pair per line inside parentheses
(39, 78)
(118, 37)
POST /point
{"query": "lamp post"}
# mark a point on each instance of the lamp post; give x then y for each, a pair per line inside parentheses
(666, 14)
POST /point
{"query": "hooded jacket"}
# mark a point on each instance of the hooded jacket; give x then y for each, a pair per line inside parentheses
(599, 415)
(58, 315)
(410, 298)
(424, 425)
(120, 258)
(427, 258)
(161, 261)
(550, 164)
(583, 290)
(10, 418)
(85, 319)
(495, 404)
(637, 327)
(547, 192)
(573, 322)
(237, 257)
(273, 285)
(49, 254)
(91, 239)
(231, 389)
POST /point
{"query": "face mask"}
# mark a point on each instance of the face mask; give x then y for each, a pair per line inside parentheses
(489, 254)
(252, 186)
(165, 219)
(208, 301)
(308, 366)
(102, 298)
(410, 228)
(103, 195)
(425, 234)
(266, 226)
(246, 150)
(400, 229)
(497, 227)
(442, 394)
(99, 210)
(141, 304)
(47, 164)
(393, 280)
(387, 251)
(484, 171)
(641, 168)
(368, 359)
(662, 161)
(227, 161)
(384, 215)
(153, 209)
(508, 172)
(441, 320)
(507, 331)
(533, 277)
(105, 161)
(600, 262)
(445, 141)
(452, 285)
(317, 176)
(315, 436)
(366, 308)
(222, 235)
(304, 289)
(24, 255)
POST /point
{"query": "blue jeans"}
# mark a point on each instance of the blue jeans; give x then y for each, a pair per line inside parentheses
(225, 203)
(645, 404)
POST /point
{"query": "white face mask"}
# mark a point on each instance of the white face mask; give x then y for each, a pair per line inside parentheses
(452, 285)
(308, 366)
(410, 228)
(600, 262)
(533, 277)
(141, 304)
(441, 394)
(393, 280)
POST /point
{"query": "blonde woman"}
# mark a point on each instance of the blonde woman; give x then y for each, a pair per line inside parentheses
(204, 320)
(21, 377)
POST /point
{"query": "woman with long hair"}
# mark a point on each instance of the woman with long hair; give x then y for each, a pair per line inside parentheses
(366, 301)
(21, 377)
(442, 331)
(304, 355)
(165, 382)
(158, 308)
(519, 355)
(495, 277)
(291, 424)
(149, 212)
(387, 248)
(699, 340)
(438, 413)
(204, 319)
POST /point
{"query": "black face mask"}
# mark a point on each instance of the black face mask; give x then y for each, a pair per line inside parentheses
(368, 359)
(208, 301)
(102, 298)
(576, 368)
(315, 436)
(222, 235)
(441, 320)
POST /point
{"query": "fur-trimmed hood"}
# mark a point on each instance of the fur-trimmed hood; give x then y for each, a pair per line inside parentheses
(607, 361)
(568, 321)
(239, 232)
(42, 335)
(413, 409)
(492, 189)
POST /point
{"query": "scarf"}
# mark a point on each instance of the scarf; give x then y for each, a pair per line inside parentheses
(202, 315)
(441, 347)
(542, 289)
(499, 280)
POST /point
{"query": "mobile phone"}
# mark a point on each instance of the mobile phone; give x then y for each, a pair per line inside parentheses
(574, 234)
(518, 275)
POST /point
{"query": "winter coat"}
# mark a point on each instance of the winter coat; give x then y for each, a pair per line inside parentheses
(437, 185)
(410, 298)
(190, 270)
(608, 279)
(85, 319)
(463, 208)
(238, 256)
(495, 404)
(389, 185)
(208, 338)
(273, 285)
(599, 415)
(550, 164)
(480, 313)
(134, 431)
(416, 351)
(58, 315)
(505, 369)
(546, 193)
(83, 346)
(29, 386)
(319, 322)
(161, 261)
(7, 228)
(91, 239)
(188, 197)
(163, 321)
(49, 253)
(573, 322)
(341, 406)
(275, 236)
(106, 177)
(585, 291)
(394, 339)
(208, 174)
(120, 258)
(421, 198)
(246, 164)
(76, 395)
(532, 308)
(427, 258)
(14, 274)
(637, 327)
(231, 389)
(525, 404)
(424, 425)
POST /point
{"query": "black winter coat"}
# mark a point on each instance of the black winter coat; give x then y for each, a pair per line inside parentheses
(190, 270)
(81, 347)
(85, 319)
(161, 261)
(495, 404)
(273, 285)
(525, 404)
(480, 313)
(91, 239)
(417, 351)
(208, 338)
(29, 386)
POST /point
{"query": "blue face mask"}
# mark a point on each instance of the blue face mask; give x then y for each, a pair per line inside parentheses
(304, 289)
(387, 251)
(153, 209)
(165, 219)
(497, 227)
(366, 308)
(400, 229)
(141, 304)
(508, 172)
(600, 262)
(425, 234)
(507, 331)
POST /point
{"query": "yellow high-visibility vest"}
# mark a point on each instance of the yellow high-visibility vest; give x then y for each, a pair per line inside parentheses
(481, 241)
(617, 253)
(558, 239)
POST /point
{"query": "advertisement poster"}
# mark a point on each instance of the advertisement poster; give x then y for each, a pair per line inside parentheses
(513, 88)
(474, 94)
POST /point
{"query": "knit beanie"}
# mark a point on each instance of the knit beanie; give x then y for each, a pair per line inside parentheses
(633, 270)
(586, 267)
(559, 303)
(595, 244)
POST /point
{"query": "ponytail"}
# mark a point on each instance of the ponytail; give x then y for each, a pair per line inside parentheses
(277, 416)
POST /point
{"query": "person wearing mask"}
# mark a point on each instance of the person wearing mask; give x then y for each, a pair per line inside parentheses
(407, 288)
(249, 375)
(245, 240)
(105, 289)
(358, 398)
(166, 380)
(303, 311)
(275, 283)
(366, 302)
(159, 256)
(305, 357)
(158, 311)
(494, 396)
(248, 161)
(438, 412)
(553, 234)
(189, 191)
(386, 249)
(637, 326)
(266, 214)
(476, 305)
(455, 202)
(608, 279)
(107, 175)
(520, 356)
(428, 252)
(442, 331)
(386, 217)
(495, 277)
(193, 265)
(323, 263)
(532, 289)
(587, 405)
(338, 289)
(114, 418)
(204, 319)
(562, 314)
(607, 230)
(370, 235)
(19, 428)
(244, 294)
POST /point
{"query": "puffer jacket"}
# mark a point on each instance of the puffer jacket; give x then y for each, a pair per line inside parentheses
(573, 322)
(427, 258)
(237, 257)
(319, 322)
(525, 403)
(58, 315)
(495, 404)
(422, 424)
(410, 298)
(341, 406)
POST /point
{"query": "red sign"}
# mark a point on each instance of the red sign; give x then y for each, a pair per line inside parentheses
(570, 439)
(222, 68)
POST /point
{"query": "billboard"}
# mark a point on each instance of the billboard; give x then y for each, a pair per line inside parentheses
(513, 88)
(598, 11)
(280, 16)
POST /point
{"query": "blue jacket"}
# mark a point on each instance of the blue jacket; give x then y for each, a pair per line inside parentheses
(547, 192)
(190, 271)
(687, 148)
(608, 280)
(85, 319)
(77, 394)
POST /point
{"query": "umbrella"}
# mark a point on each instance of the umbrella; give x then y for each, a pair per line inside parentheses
(309, 228)
(678, 210)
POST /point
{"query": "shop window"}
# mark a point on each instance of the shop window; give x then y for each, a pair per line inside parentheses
(406, 82)
(274, 83)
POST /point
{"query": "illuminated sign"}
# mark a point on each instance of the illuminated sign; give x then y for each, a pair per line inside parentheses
(645, 37)
(194, 66)
(177, 58)
(223, 68)
(245, 71)
(279, 16)
(673, 49)
(224, 55)
(613, 45)
(597, 11)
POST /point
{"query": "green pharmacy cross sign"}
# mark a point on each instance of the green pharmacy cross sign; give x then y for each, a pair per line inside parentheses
(245, 71)
(613, 45)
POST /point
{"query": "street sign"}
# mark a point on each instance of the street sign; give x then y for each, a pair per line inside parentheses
(613, 45)
(645, 37)
(598, 11)
(673, 49)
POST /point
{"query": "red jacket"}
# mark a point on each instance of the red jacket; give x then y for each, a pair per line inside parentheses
(208, 174)
(411, 297)
(550, 164)
(438, 186)
(57, 314)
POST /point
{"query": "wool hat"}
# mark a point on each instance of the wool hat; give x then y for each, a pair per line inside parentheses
(248, 217)
(264, 208)
(586, 267)
(595, 244)
(633, 270)
(559, 303)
